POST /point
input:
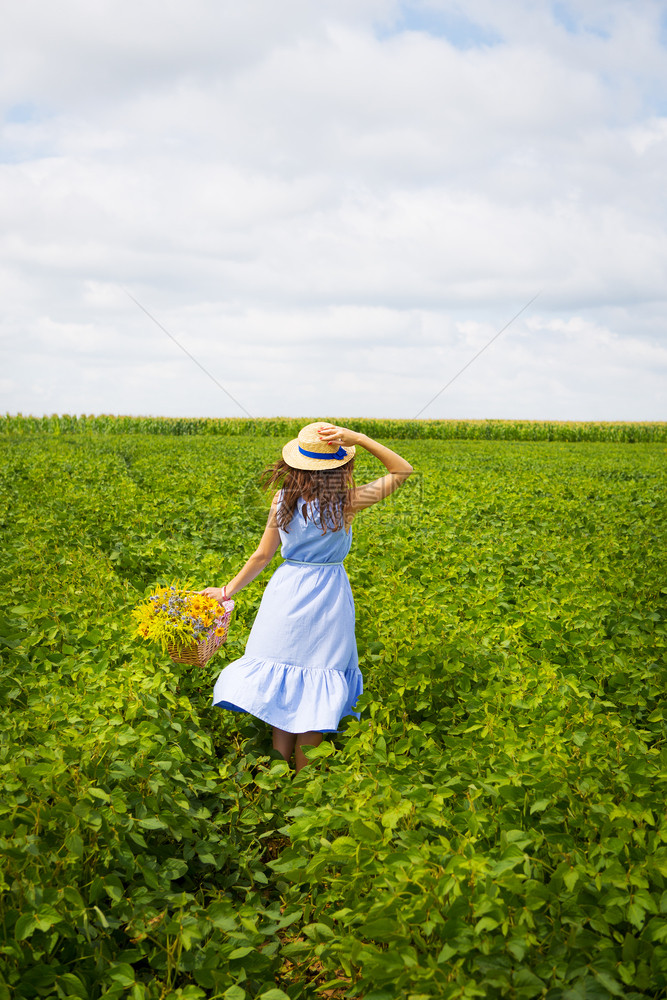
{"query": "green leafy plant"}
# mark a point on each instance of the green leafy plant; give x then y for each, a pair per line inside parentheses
(493, 826)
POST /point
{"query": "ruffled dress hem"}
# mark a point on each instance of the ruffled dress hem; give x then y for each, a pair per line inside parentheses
(293, 698)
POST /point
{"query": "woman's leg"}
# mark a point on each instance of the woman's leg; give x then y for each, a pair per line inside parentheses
(311, 739)
(283, 742)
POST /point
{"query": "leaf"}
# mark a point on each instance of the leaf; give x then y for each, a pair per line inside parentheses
(509, 860)
(235, 993)
(517, 947)
(318, 930)
(344, 846)
(153, 823)
(74, 844)
(241, 952)
(609, 983)
(174, 868)
(570, 878)
(25, 926)
(539, 805)
(366, 831)
(99, 793)
(485, 924)
(73, 985)
(289, 918)
(659, 861)
(38, 978)
(528, 983)
(46, 916)
(636, 915)
(113, 887)
(121, 973)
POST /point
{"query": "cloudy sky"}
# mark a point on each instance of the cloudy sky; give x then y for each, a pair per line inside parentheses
(334, 205)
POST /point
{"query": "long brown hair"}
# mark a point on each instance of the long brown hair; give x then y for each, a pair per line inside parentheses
(329, 488)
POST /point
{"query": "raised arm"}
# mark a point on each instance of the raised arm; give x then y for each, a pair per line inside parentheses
(259, 560)
(398, 469)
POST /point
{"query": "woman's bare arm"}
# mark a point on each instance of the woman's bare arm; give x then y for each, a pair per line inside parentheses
(398, 469)
(259, 560)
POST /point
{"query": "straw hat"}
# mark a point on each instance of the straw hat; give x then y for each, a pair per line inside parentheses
(309, 451)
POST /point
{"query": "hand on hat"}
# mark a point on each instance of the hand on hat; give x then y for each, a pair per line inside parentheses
(338, 435)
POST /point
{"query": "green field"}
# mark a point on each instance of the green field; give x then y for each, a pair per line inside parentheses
(493, 827)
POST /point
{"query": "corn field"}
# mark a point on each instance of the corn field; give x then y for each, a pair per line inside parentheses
(471, 430)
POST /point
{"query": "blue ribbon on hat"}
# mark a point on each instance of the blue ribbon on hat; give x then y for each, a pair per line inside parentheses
(327, 456)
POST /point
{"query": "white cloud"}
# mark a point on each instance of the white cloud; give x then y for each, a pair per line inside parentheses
(329, 205)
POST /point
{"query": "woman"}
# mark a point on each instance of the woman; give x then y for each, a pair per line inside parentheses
(300, 670)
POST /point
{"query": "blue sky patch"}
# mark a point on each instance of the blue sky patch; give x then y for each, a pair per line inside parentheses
(21, 113)
(452, 24)
(566, 18)
(663, 28)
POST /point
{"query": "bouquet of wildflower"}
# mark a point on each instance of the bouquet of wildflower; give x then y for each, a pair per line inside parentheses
(187, 625)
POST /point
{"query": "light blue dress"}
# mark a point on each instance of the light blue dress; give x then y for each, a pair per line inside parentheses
(300, 671)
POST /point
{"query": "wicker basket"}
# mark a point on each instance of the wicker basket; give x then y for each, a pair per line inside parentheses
(199, 653)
